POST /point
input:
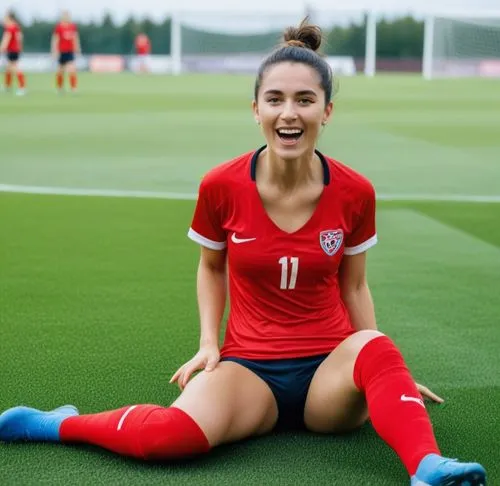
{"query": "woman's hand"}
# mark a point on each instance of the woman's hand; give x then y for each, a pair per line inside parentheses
(205, 359)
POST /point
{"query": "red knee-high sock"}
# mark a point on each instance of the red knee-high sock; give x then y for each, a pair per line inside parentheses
(146, 432)
(8, 79)
(73, 80)
(20, 80)
(396, 408)
(59, 80)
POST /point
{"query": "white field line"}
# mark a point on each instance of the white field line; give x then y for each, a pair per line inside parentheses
(70, 191)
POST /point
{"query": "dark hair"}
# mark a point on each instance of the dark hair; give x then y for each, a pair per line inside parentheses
(12, 15)
(300, 45)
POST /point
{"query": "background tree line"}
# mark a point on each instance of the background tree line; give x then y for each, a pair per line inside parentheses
(397, 38)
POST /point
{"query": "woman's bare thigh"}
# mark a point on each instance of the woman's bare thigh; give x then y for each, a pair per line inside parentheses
(229, 403)
(334, 404)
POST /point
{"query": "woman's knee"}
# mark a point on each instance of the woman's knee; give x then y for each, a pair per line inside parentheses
(170, 433)
(359, 339)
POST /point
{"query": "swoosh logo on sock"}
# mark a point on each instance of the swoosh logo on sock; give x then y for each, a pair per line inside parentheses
(405, 398)
(124, 416)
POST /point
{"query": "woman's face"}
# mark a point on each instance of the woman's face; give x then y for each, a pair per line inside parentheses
(291, 109)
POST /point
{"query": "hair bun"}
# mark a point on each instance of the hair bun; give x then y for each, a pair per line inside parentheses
(296, 43)
(305, 35)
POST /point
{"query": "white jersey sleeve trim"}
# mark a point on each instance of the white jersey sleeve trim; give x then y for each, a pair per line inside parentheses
(354, 250)
(200, 239)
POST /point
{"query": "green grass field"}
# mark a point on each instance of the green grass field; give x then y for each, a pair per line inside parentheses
(97, 294)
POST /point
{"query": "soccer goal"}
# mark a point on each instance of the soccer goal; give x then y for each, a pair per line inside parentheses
(237, 43)
(462, 45)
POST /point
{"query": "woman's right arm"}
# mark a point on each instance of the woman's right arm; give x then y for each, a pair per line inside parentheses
(211, 292)
(5, 41)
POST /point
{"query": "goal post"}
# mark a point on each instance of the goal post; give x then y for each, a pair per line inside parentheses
(462, 44)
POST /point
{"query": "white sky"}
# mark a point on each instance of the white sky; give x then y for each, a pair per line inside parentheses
(158, 9)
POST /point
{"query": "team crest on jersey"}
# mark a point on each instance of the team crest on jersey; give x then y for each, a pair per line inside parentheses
(331, 241)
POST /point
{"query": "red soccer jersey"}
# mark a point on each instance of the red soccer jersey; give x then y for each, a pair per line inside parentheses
(66, 33)
(16, 38)
(284, 291)
(142, 44)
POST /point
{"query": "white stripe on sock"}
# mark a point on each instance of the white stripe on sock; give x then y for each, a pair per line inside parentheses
(124, 416)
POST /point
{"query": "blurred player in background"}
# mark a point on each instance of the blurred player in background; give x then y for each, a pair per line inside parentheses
(12, 45)
(142, 51)
(65, 43)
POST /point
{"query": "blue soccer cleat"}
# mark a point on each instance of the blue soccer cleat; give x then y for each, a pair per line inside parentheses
(435, 470)
(24, 423)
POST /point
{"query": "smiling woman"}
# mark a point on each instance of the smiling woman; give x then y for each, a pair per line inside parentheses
(292, 106)
(288, 228)
(287, 85)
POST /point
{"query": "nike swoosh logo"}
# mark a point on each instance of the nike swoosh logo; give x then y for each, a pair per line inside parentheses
(124, 416)
(405, 398)
(237, 240)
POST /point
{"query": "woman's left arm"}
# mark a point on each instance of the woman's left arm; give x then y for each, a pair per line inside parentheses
(358, 300)
(355, 292)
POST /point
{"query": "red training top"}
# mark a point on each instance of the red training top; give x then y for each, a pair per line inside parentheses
(66, 33)
(16, 38)
(142, 44)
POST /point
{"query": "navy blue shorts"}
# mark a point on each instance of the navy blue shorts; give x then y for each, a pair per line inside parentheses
(66, 57)
(13, 56)
(289, 380)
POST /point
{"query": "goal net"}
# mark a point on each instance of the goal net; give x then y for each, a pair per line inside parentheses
(460, 46)
(218, 42)
(231, 42)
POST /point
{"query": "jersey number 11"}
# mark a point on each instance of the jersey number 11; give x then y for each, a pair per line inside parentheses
(294, 263)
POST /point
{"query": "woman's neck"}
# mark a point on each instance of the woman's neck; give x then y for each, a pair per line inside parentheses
(288, 175)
